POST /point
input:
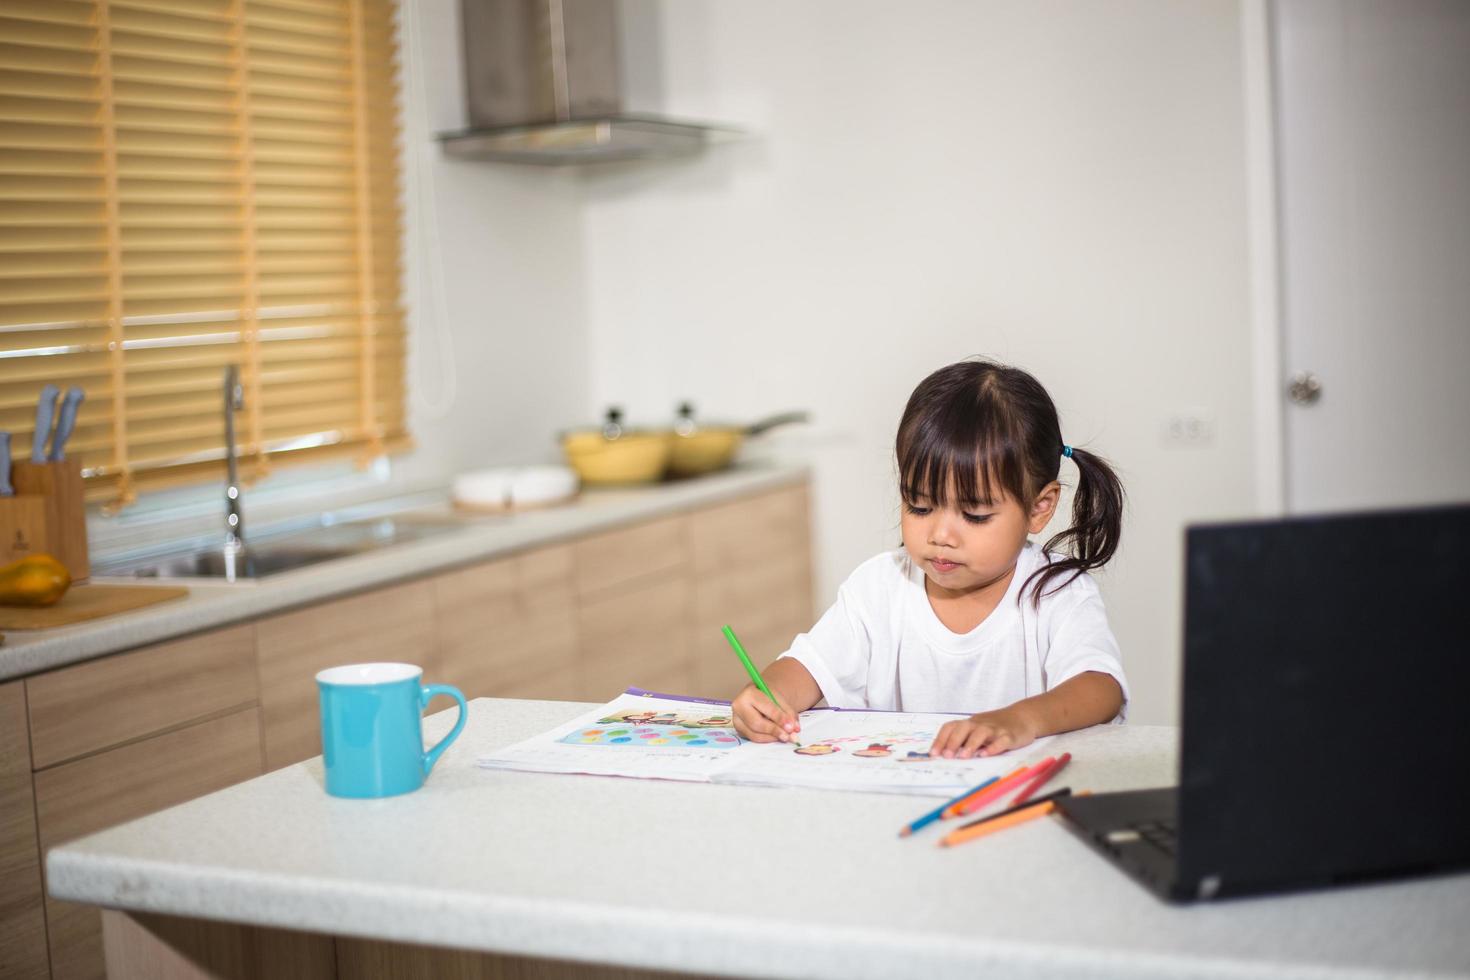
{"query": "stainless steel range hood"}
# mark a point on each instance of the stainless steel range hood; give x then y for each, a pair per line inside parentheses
(543, 86)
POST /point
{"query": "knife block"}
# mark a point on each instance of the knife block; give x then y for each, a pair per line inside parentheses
(23, 528)
(63, 535)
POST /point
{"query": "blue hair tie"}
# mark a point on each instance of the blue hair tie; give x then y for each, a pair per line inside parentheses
(1066, 450)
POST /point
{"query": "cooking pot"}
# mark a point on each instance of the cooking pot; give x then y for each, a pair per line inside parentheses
(615, 454)
(701, 449)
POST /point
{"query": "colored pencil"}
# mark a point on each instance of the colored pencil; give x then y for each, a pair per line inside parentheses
(1041, 778)
(755, 675)
(999, 789)
(1009, 818)
(987, 788)
(938, 812)
(1055, 794)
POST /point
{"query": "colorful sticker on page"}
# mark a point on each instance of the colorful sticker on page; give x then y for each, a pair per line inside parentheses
(653, 737)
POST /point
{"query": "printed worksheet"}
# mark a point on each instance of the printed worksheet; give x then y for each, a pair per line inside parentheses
(652, 736)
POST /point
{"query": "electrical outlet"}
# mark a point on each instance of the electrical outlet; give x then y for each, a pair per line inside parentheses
(1192, 428)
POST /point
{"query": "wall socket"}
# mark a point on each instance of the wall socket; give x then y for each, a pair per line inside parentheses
(1190, 428)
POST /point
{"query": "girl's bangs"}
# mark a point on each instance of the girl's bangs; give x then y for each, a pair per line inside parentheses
(978, 467)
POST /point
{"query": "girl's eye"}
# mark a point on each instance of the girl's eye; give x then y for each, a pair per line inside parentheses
(977, 518)
(915, 509)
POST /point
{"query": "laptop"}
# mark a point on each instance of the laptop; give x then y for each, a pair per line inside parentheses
(1326, 711)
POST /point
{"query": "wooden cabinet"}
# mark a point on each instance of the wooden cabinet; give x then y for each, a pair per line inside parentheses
(636, 637)
(123, 783)
(617, 558)
(22, 921)
(90, 706)
(394, 624)
(751, 570)
(634, 603)
(508, 628)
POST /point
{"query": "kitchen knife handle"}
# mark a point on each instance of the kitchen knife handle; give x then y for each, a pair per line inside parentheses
(5, 489)
(66, 422)
(45, 412)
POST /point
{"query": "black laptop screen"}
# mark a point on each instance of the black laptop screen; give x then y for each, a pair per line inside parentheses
(1326, 710)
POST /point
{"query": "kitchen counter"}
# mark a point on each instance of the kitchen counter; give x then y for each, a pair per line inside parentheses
(722, 880)
(213, 603)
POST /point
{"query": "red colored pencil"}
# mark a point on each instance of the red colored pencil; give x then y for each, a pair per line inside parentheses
(1041, 778)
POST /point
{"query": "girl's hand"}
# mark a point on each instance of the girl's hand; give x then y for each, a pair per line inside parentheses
(758, 720)
(988, 733)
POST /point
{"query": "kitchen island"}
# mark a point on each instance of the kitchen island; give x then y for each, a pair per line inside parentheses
(494, 874)
(106, 721)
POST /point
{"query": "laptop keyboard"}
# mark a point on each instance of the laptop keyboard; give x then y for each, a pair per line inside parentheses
(1158, 833)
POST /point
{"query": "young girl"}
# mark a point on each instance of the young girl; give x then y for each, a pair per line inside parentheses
(970, 616)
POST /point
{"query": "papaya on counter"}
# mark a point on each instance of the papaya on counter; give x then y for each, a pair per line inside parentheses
(38, 580)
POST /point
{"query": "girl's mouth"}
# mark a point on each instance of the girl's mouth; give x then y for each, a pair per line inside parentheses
(940, 565)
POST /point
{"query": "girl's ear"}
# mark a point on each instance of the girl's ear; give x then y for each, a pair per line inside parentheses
(1043, 507)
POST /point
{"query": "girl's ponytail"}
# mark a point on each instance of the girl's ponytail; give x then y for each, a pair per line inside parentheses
(1097, 523)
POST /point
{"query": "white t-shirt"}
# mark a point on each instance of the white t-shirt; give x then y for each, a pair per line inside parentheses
(882, 646)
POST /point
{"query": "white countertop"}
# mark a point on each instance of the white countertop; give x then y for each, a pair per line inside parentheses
(729, 880)
(212, 604)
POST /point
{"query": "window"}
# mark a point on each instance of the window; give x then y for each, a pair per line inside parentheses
(190, 184)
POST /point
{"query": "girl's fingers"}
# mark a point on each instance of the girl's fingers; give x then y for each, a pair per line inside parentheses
(766, 720)
(978, 738)
(1002, 742)
(954, 739)
(941, 738)
(784, 721)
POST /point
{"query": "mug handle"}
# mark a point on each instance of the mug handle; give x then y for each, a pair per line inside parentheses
(426, 695)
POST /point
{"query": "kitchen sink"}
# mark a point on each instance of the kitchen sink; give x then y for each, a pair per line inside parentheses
(255, 562)
(284, 548)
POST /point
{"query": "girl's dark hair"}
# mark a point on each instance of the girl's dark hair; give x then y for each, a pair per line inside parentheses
(977, 427)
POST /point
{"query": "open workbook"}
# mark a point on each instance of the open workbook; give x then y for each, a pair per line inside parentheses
(658, 736)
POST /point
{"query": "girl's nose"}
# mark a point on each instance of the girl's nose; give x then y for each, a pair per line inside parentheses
(942, 530)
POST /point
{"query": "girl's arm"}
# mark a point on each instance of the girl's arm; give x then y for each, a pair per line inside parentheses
(1090, 698)
(758, 720)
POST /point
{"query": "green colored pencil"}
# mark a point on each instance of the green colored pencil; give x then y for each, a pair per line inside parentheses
(755, 675)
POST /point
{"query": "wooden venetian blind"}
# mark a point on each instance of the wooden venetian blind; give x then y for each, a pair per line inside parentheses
(189, 184)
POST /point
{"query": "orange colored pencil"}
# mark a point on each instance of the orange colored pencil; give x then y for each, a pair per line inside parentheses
(1001, 788)
(1009, 779)
(999, 823)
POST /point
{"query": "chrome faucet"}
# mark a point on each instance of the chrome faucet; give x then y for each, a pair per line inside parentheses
(234, 522)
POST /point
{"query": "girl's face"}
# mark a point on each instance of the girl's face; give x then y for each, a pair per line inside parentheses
(970, 547)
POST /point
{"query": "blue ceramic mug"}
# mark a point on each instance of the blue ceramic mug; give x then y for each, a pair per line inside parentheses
(372, 728)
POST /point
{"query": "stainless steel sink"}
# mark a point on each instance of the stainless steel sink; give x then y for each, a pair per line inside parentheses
(285, 548)
(255, 562)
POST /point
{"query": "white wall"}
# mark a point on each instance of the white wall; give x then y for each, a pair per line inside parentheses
(493, 270)
(1061, 185)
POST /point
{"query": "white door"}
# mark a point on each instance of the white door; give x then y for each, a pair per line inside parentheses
(1372, 101)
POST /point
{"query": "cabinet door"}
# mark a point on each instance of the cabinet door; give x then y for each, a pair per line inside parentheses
(98, 791)
(101, 703)
(22, 922)
(508, 628)
(752, 562)
(637, 637)
(394, 624)
(766, 604)
(615, 559)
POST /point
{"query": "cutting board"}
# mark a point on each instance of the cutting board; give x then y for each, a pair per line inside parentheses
(84, 602)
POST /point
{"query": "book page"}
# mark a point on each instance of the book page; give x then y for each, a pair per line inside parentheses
(650, 736)
(873, 751)
(636, 734)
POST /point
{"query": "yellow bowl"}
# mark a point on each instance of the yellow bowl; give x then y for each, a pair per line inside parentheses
(633, 457)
